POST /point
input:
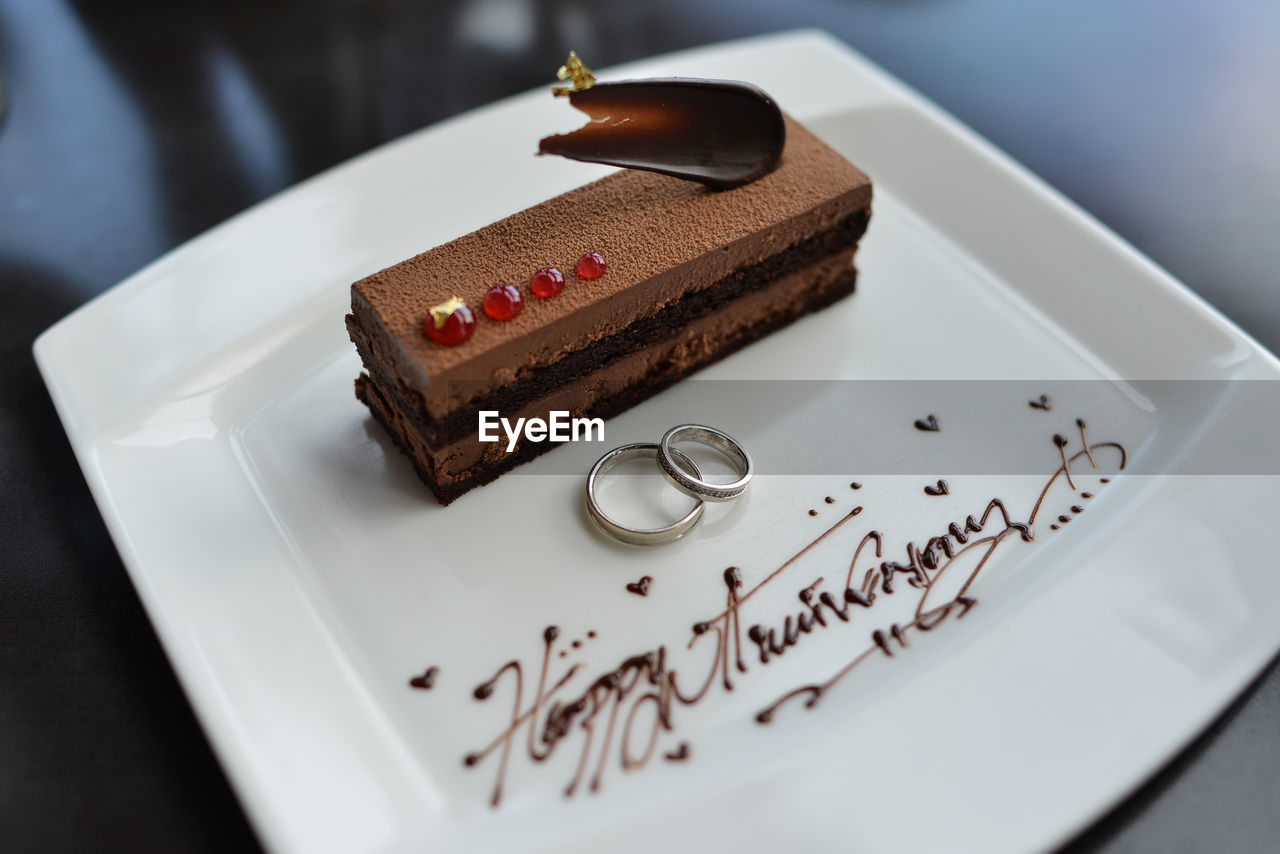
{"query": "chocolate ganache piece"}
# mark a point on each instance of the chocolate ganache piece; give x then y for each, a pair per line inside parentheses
(721, 133)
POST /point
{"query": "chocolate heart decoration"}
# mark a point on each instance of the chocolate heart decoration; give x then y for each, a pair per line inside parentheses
(426, 680)
(641, 587)
(940, 489)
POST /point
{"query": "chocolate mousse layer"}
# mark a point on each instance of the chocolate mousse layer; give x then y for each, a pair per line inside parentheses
(680, 257)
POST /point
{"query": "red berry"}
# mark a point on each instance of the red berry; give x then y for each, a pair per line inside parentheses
(591, 265)
(450, 323)
(503, 302)
(547, 282)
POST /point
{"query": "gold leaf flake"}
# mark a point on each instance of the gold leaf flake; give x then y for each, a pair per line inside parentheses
(578, 75)
(442, 312)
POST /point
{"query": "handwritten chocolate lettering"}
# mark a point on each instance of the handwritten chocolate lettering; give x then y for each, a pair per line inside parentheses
(619, 716)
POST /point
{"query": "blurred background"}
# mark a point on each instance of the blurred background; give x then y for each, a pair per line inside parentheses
(128, 127)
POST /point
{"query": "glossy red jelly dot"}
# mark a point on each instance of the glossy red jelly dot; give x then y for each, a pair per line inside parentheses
(503, 302)
(456, 328)
(547, 282)
(591, 265)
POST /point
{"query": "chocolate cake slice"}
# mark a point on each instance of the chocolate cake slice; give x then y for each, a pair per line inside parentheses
(691, 275)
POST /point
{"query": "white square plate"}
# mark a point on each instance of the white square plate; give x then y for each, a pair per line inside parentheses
(299, 575)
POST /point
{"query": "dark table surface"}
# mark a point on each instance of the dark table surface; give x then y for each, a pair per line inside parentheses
(129, 127)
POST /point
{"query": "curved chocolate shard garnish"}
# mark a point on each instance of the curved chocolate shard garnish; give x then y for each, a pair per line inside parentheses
(722, 133)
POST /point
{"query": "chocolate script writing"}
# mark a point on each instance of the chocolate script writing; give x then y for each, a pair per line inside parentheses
(619, 716)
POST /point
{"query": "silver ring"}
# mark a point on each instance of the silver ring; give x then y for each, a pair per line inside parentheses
(638, 536)
(690, 481)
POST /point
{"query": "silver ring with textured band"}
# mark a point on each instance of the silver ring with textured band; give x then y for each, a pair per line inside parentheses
(625, 533)
(688, 479)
